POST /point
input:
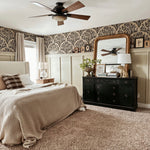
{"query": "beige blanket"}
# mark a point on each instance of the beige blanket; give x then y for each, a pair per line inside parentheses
(25, 113)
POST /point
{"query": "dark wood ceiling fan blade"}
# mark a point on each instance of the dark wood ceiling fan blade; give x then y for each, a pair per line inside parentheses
(118, 49)
(74, 6)
(59, 23)
(41, 5)
(84, 17)
(105, 54)
(104, 50)
(41, 16)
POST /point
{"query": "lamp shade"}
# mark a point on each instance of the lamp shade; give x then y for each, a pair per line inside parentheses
(124, 59)
(43, 65)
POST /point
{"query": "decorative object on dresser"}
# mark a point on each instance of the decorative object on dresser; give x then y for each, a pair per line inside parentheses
(111, 92)
(43, 67)
(43, 81)
(139, 42)
(100, 70)
(88, 65)
(112, 68)
(124, 59)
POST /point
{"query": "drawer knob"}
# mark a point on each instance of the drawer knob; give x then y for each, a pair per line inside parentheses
(114, 87)
(125, 82)
(114, 94)
(126, 95)
(98, 99)
(114, 100)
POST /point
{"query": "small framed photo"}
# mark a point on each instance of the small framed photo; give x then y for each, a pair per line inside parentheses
(76, 50)
(139, 42)
(82, 49)
(112, 68)
(87, 48)
(100, 70)
(146, 43)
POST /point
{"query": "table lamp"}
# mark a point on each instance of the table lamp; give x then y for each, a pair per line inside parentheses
(43, 67)
(124, 59)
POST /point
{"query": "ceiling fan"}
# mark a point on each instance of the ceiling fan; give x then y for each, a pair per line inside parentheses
(113, 51)
(61, 13)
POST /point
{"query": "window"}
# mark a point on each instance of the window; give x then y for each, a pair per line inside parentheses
(30, 56)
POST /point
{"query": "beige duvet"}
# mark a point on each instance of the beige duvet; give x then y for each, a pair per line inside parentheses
(25, 113)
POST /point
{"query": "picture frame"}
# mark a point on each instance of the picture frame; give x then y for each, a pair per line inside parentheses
(76, 50)
(112, 68)
(87, 48)
(82, 49)
(139, 42)
(146, 43)
(100, 70)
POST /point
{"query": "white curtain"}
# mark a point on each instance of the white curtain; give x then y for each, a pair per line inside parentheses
(40, 52)
(20, 52)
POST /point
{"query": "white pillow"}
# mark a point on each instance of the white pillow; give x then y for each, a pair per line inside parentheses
(25, 79)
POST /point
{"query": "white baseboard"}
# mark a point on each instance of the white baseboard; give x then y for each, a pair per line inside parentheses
(142, 105)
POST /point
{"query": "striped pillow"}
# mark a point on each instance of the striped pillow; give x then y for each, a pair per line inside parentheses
(2, 84)
(12, 82)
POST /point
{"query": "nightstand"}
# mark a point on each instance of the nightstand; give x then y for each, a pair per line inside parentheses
(43, 81)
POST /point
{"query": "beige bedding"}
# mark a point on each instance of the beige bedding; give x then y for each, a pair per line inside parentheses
(25, 113)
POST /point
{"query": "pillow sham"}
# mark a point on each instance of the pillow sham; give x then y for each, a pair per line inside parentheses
(2, 84)
(12, 82)
(25, 79)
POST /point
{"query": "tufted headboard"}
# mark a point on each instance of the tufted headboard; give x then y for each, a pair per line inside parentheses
(14, 67)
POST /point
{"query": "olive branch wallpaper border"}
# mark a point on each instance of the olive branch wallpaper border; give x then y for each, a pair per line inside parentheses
(66, 42)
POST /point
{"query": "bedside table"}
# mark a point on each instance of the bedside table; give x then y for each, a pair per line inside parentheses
(43, 81)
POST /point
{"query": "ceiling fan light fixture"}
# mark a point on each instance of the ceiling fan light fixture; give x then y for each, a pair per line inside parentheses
(59, 18)
(60, 13)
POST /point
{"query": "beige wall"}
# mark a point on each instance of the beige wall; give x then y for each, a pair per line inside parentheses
(65, 68)
(141, 69)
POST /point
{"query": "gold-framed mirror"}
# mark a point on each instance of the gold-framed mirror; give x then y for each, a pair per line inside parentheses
(106, 48)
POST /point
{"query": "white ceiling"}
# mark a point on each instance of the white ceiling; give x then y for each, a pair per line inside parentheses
(15, 14)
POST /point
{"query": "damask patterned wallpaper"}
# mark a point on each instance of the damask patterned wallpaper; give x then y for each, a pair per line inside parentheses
(8, 39)
(66, 42)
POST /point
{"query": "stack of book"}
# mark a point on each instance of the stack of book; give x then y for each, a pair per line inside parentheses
(102, 74)
(113, 75)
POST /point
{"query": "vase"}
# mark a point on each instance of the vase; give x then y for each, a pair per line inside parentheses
(88, 70)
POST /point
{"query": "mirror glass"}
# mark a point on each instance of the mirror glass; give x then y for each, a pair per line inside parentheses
(109, 45)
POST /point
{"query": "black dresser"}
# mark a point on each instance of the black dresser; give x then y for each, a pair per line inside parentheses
(111, 92)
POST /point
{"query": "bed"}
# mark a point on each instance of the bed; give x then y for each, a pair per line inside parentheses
(27, 112)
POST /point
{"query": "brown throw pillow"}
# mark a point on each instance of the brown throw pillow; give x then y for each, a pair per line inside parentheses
(2, 84)
(12, 82)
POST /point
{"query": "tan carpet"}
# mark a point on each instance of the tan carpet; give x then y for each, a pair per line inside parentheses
(98, 128)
